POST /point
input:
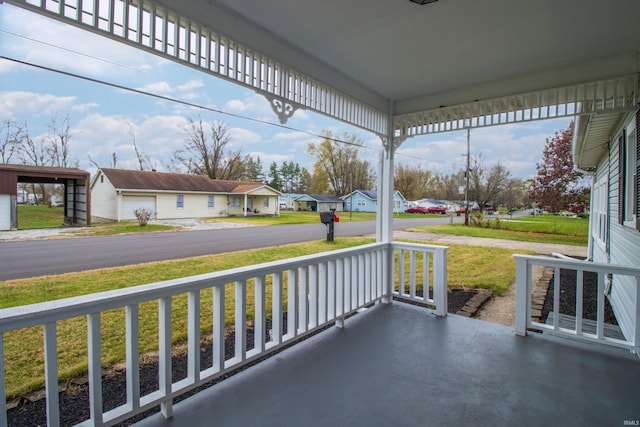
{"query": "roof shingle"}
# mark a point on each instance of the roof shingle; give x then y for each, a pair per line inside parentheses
(163, 181)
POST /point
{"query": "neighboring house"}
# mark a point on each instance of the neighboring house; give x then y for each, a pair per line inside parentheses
(606, 147)
(318, 202)
(367, 201)
(117, 193)
(430, 203)
(286, 200)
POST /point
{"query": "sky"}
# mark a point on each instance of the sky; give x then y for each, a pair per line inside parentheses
(102, 116)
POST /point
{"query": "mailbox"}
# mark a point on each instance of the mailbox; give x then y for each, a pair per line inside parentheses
(328, 218)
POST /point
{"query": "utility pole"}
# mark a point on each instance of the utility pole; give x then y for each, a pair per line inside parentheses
(466, 185)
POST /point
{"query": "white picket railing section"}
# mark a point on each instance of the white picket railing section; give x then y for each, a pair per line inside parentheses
(524, 288)
(320, 289)
(428, 289)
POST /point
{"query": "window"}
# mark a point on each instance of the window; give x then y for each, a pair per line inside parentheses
(266, 202)
(179, 201)
(210, 202)
(235, 202)
(630, 181)
(361, 202)
(628, 166)
(396, 204)
(600, 224)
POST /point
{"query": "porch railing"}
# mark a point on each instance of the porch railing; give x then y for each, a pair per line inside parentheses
(280, 301)
(577, 327)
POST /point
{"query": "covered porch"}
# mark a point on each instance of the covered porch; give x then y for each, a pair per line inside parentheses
(397, 70)
(398, 364)
(358, 336)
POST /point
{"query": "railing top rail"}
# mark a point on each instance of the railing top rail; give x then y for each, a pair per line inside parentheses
(597, 267)
(37, 314)
(419, 246)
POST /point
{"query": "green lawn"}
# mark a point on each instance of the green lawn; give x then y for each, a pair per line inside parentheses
(40, 216)
(45, 217)
(542, 229)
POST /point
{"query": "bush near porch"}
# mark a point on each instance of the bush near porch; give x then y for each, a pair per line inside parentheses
(468, 267)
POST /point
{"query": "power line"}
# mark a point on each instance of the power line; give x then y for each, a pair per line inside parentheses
(97, 58)
(178, 101)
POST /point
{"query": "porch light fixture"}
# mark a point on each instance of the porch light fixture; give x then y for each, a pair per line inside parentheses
(423, 2)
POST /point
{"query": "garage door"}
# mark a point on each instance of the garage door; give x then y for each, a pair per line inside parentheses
(131, 203)
(5, 212)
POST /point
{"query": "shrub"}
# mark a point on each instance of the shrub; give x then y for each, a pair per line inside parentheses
(143, 215)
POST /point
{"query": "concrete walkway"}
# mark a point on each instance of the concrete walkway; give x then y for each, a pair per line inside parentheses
(538, 248)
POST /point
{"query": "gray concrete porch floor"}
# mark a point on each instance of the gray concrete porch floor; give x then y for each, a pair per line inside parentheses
(398, 365)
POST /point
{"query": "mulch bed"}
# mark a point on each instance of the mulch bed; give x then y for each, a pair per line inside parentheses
(74, 401)
(568, 297)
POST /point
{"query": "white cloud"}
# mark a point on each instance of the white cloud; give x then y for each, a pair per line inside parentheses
(158, 88)
(253, 104)
(15, 104)
(242, 136)
(43, 41)
(191, 85)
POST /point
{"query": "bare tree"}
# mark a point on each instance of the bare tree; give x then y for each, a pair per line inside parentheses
(58, 147)
(446, 187)
(114, 160)
(486, 185)
(341, 164)
(144, 162)
(206, 153)
(10, 135)
(412, 182)
(514, 193)
(34, 152)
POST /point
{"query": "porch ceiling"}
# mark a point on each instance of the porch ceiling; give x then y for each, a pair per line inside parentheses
(441, 54)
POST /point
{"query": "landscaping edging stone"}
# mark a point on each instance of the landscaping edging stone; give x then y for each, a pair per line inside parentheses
(474, 304)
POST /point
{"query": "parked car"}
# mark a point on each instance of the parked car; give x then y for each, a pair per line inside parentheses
(417, 209)
(437, 210)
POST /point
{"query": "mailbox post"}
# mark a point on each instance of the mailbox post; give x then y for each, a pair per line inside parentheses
(328, 218)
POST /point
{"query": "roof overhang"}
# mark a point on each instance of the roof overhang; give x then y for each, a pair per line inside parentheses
(431, 68)
(591, 136)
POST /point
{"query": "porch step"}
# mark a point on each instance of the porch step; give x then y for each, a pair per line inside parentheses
(588, 326)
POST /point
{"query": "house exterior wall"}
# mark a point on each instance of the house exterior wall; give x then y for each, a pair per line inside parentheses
(193, 205)
(612, 241)
(104, 199)
(326, 206)
(360, 203)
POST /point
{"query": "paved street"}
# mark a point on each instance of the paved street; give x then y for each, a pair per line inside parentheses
(30, 258)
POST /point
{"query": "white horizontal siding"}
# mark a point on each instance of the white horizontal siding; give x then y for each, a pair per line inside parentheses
(195, 206)
(623, 289)
(624, 243)
(103, 199)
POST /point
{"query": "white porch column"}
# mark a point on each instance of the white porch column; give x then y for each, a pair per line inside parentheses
(384, 217)
(244, 208)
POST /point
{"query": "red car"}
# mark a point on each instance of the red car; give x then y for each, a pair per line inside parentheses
(417, 209)
(437, 210)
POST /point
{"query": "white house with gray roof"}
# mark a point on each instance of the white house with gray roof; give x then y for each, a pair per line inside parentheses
(117, 193)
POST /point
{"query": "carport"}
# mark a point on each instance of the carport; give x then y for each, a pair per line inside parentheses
(76, 195)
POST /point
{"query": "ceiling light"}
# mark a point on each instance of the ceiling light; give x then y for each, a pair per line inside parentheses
(423, 1)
